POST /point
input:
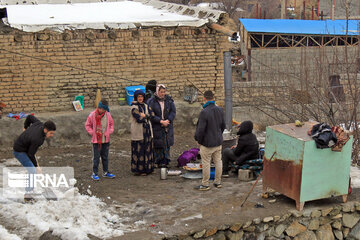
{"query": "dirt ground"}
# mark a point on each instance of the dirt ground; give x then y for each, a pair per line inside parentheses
(158, 208)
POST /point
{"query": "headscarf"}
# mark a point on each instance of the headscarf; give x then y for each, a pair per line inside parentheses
(160, 100)
(158, 89)
(106, 107)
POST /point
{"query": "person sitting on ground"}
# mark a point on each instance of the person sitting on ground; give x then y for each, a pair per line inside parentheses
(100, 125)
(27, 144)
(246, 149)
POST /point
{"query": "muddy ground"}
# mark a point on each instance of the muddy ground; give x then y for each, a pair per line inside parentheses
(165, 207)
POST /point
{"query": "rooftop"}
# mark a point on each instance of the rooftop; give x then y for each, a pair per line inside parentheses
(59, 15)
(301, 27)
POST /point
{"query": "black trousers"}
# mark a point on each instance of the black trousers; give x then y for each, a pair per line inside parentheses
(228, 157)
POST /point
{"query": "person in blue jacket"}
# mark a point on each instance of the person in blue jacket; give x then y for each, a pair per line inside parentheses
(162, 123)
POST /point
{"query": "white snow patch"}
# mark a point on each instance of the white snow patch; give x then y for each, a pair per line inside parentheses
(101, 12)
(4, 234)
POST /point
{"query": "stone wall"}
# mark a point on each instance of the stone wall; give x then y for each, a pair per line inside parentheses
(337, 222)
(44, 71)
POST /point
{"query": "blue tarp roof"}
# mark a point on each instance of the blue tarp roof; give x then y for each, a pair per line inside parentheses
(291, 26)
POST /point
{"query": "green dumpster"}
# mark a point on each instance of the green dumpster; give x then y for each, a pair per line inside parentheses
(294, 166)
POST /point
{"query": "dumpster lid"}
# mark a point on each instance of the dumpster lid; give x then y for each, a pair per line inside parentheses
(296, 132)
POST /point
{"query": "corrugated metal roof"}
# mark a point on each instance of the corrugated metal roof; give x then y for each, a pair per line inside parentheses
(307, 27)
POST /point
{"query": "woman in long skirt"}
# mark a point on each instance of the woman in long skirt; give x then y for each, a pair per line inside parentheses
(142, 161)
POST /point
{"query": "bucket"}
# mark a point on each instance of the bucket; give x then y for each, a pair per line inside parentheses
(130, 90)
(163, 173)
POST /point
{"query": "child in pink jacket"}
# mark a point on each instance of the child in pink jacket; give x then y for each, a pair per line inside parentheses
(100, 125)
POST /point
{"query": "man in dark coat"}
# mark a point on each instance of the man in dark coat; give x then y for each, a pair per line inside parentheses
(209, 130)
(164, 111)
(246, 149)
(27, 144)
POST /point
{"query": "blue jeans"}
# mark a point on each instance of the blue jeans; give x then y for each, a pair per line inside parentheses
(103, 152)
(28, 164)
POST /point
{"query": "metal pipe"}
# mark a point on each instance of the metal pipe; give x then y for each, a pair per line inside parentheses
(228, 89)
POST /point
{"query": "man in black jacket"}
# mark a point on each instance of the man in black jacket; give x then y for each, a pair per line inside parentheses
(27, 144)
(246, 149)
(210, 127)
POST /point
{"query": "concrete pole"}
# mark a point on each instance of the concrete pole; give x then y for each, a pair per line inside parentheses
(228, 90)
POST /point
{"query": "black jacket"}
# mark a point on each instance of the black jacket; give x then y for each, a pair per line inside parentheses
(31, 139)
(248, 145)
(210, 126)
(169, 114)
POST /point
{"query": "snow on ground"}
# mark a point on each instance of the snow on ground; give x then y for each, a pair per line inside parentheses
(101, 12)
(4, 234)
(70, 218)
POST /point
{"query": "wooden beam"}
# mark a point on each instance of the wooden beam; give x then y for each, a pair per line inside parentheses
(329, 41)
(270, 41)
(315, 41)
(300, 42)
(285, 40)
(254, 41)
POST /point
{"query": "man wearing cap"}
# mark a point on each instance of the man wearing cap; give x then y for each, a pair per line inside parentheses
(210, 126)
(100, 126)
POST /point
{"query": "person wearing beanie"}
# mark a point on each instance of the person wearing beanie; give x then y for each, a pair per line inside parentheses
(142, 160)
(209, 130)
(100, 125)
(164, 111)
(246, 149)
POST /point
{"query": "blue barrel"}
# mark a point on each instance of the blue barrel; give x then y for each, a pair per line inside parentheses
(130, 90)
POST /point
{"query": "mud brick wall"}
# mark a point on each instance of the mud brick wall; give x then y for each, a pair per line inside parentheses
(45, 71)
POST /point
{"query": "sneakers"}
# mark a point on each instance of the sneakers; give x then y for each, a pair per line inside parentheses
(95, 177)
(217, 185)
(202, 188)
(108, 175)
(225, 174)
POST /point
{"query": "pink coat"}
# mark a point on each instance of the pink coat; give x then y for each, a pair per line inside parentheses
(90, 126)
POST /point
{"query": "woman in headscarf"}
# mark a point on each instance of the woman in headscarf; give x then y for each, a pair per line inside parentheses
(142, 160)
(164, 110)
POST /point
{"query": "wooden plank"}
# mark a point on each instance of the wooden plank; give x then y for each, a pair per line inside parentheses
(255, 41)
(300, 42)
(285, 40)
(315, 41)
(270, 41)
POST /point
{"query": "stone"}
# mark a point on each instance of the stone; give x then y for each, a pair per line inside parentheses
(247, 224)
(325, 233)
(336, 225)
(220, 236)
(210, 232)
(349, 220)
(285, 216)
(268, 219)
(307, 212)
(277, 218)
(250, 229)
(346, 232)
(279, 230)
(294, 229)
(200, 234)
(355, 232)
(335, 212)
(338, 234)
(236, 227)
(48, 235)
(257, 221)
(357, 207)
(337, 216)
(314, 224)
(296, 213)
(92, 237)
(308, 235)
(326, 211)
(223, 227)
(348, 207)
(316, 214)
(325, 220)
(234, 236)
